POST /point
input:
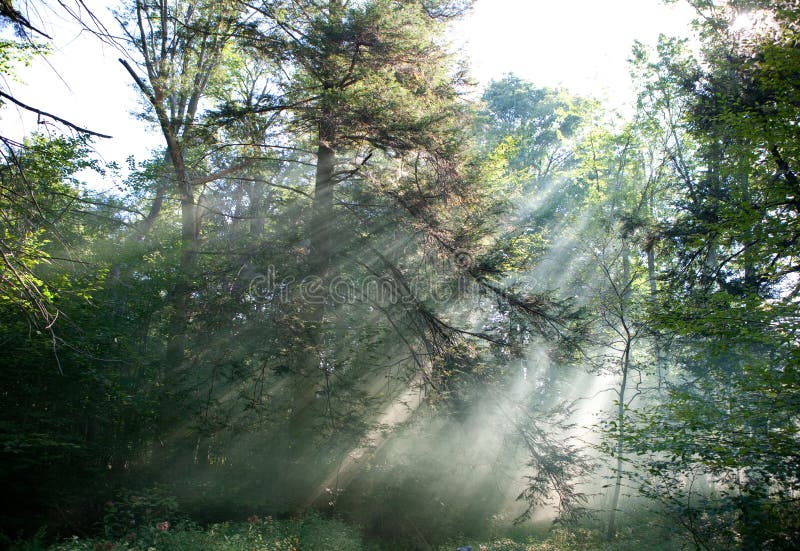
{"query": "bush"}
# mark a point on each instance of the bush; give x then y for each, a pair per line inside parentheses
(311, 533)
(131, 511)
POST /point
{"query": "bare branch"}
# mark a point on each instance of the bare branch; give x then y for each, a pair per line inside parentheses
(54, 117)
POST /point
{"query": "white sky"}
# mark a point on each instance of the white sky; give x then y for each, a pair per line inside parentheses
(581, 45)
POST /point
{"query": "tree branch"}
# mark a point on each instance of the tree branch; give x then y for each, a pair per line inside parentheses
(142, 86)
(54, 117)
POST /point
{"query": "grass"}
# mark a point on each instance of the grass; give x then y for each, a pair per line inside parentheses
(638, 530)
(312, 533)
(317, 533)
(574, 539)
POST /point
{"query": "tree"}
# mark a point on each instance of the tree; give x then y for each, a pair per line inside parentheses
(180, 47)
(371, 92)
(78, 398)
(24, 225)
(730, 298)
(367, 80)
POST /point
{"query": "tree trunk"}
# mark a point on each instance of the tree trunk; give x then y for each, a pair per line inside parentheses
(321, 237)
(626, 359)
(751, 283)
(625, 365)
(158, 201)
(176, 348)
(657, 346)
(256, 196)
(311, 371)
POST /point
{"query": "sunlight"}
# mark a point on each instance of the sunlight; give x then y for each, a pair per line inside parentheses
(398, 412)
(748, 24)
(744, 22)
(367, 283)
(580, 45)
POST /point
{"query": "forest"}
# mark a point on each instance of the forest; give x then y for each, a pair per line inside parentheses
(355, 301)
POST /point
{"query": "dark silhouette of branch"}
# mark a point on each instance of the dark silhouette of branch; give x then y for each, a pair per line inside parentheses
(139, 82)
(15, 16)
(54, 117)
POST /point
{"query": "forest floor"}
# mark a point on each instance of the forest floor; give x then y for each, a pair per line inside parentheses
(315, 533)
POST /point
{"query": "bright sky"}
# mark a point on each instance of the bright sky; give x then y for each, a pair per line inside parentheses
(581, 45)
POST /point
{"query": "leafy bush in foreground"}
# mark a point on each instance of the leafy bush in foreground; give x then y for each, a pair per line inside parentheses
(267, 534)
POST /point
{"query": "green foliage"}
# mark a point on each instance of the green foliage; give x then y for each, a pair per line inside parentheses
(310, 144)
(721, 448)
(67, 372)
(647, 534)
(313, 533)
(16, 53)
(129, 510)
(37, 193)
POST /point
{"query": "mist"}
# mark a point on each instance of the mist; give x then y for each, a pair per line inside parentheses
(352, 300)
